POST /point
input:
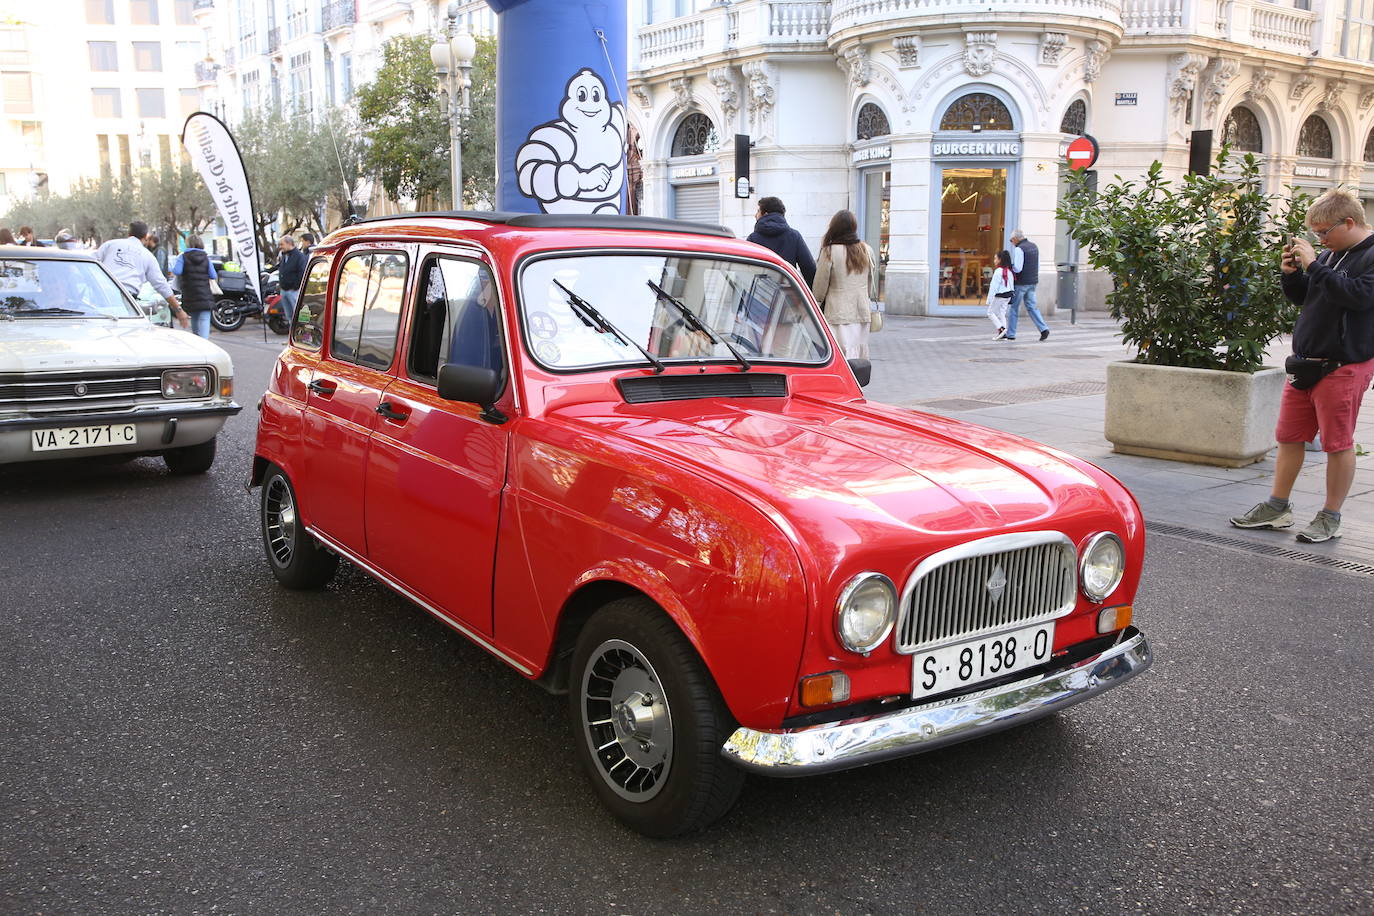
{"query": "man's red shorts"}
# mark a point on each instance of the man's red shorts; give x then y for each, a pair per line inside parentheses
(1329, 407)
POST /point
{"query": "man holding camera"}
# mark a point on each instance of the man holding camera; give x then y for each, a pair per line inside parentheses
(1333, 346)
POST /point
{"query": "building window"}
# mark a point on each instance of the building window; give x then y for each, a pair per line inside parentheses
(1241, 131)
(100, 12)
(695, 135)
(184, 11)
(151, 103)
(126, 167)
(190, 101)
(143, 12)
(1314, 140)
(248, 29)
(976, 111)
(18, 93)
(872, 122)
(295, 19)
(346, 75)
(102, 147)
(301, 100)
(164, 150)
(1075, 119)
(252, 88)
(105, 103)
(14, 48)
(148, 56)
(103, 55)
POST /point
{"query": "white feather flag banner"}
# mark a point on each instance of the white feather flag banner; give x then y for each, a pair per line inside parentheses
(216, 156)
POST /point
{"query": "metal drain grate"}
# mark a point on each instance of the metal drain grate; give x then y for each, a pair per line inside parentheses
(1269, 550)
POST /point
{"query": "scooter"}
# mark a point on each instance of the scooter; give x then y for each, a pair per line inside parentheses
(238, 302)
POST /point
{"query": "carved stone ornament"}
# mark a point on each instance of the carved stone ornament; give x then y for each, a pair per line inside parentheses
(641, 93)
(1183, 79)
(682, 91)
(855, 62)
(727, 90)
(1259, 84)
(1331, 99)
(1094, 56)
(908, 51)
(760, 94)
(1366, 99)
(1301, 84)
(1219, 74)
(980, 48)
(1052, 46)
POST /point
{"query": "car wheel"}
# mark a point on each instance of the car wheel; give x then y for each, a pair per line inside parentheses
(297, 559)
(225, 316)
(278, 324)
(649, 723)
(190, 459)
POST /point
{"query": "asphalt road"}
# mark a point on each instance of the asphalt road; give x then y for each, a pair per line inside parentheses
(180, 735)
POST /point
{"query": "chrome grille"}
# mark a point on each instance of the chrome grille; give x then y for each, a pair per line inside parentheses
(987, 586)
(54, 393)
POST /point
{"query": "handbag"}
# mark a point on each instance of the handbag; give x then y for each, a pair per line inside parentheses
(1304, 373)
(1005, 295)
(875, 319)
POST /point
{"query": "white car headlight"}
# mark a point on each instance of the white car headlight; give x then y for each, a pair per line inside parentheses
(1102, 566)
(866, 611)
(186, 383)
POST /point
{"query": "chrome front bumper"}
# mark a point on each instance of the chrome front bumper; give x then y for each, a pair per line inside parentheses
(858, 742)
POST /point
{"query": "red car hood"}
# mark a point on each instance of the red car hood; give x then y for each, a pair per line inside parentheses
(862, 463)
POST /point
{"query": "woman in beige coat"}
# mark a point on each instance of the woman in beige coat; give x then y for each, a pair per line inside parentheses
(847, 283)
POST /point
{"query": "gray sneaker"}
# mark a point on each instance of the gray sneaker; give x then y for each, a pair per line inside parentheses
(1322, 528)
(1265, 516)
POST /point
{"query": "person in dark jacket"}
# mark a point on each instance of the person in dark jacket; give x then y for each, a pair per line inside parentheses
(194, 270)
(1336, 325)
(1025, 269)
(772, 232)
(291, 267)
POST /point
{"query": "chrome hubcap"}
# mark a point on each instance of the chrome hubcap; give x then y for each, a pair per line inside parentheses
(626, 720)
(279, 520)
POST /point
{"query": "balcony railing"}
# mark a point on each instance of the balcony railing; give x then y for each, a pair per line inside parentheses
(274, 40)
(230, 59)
(206, 71)
(204, 5)
(1288, 30)
(1153, 16)
(849, 13)
(340, 14)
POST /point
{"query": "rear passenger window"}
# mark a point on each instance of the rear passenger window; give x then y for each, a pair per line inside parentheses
(307, 327)
(456, 318)
(367, 308)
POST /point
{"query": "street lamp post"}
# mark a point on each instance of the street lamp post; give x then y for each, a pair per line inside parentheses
(452, 57)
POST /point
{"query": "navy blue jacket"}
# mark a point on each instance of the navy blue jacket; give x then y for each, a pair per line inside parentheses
(1336, 293)
(773, 233)
(292, 267)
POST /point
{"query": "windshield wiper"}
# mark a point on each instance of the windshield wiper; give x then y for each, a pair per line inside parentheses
(697, 324)
(51, 310)
(599, 322)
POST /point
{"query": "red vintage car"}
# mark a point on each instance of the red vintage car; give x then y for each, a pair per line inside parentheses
(624, 456)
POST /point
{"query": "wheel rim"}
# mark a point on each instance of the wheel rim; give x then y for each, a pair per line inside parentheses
(279, 521)
(626, 720)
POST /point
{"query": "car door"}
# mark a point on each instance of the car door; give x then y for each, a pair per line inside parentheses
(437, 469)
(346, 388)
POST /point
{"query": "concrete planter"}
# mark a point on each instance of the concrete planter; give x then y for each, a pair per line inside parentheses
(1200, 415)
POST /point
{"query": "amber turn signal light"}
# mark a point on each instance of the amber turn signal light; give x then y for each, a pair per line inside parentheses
(1111, 619)
(825, 689)
(226, 386)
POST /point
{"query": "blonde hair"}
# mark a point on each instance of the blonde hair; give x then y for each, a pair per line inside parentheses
(1336, 206)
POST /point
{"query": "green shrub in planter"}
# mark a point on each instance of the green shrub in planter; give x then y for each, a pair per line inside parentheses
(1195, 264)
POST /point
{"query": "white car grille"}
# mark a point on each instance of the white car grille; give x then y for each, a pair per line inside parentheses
(987, 586)
(56, 393)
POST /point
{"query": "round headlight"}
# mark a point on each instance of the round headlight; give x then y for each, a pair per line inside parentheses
(866, 611)
(1104, 563)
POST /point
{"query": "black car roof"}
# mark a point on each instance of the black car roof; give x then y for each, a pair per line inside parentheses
(565, 221)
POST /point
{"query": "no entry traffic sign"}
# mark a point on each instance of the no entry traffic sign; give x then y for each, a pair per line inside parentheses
(1081, 153)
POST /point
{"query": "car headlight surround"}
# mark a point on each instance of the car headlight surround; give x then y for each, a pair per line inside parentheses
(1101, 566)
(187, 383)
(866, 612)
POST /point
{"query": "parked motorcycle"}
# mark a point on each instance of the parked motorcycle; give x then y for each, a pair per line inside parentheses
(237, 302)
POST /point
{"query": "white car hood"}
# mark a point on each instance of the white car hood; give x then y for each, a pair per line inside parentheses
(63, 344)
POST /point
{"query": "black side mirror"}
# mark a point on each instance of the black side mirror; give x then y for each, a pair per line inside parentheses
(862, 369)
(472, 385)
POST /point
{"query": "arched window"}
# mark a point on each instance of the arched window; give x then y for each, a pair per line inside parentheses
(976, 111)
(1242, 131)
(1314, 139)
(1369, 148)
(872, 122)
(1075, 118)
(695, 135)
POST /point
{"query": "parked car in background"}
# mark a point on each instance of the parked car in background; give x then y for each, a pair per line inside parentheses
(151, 303)
(83, 371)
(624, 456)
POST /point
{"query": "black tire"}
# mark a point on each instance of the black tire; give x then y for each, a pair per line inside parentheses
(190, 459)
(296, 558)
(648, 722)
(225, 317)
(278, 324)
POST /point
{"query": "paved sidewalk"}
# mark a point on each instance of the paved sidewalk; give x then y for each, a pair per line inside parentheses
(1054, 392)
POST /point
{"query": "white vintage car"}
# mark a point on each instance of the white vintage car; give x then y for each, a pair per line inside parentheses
(84, 372)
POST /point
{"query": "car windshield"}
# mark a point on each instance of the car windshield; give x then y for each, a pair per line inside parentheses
(597, 310)
(41, 288)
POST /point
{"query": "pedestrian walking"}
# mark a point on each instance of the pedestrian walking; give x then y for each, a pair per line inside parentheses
(7, 237)
(154, 245)
(772, 232)
(847, 283)
(999, 292)
(1332, 363)
(132, 263)
(26, 237)
(1025, 268)
(307, 243)
(291, 271)
(195, 271)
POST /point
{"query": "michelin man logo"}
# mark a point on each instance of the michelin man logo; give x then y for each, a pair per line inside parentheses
(576, 164)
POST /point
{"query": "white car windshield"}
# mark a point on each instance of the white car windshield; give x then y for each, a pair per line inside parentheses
(599, 310)
(42, 288)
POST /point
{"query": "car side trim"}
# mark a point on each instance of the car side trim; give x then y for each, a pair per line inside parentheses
(183, 411)
(409, 595)
(858, 742)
